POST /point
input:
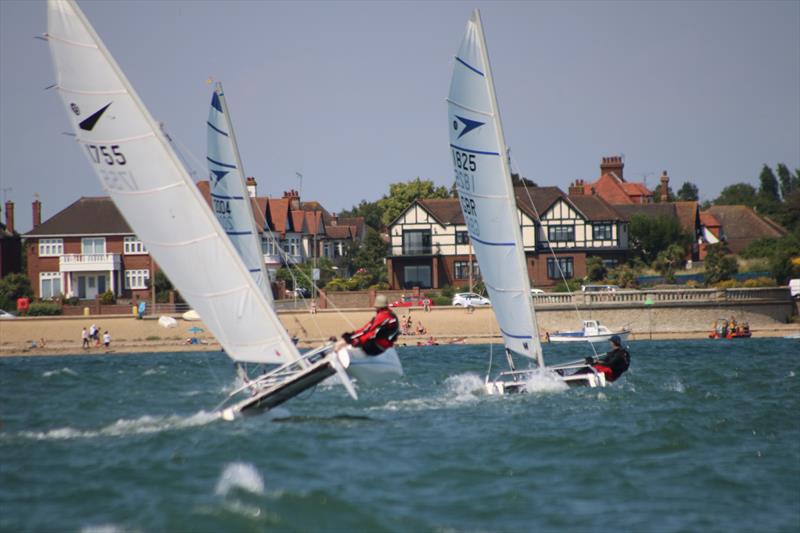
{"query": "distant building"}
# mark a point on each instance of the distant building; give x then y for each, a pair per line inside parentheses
(739, 225)
(10, 244)
(430, 245)
(611, 185)
(85, 250)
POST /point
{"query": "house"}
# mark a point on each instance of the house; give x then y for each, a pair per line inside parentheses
(739, 225)
(85, 250)
(612, 187)
(10, 244)
(430, 245)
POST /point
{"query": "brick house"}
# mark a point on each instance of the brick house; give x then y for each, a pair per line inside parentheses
(10, 244)
(430, 247)
(612, 187)
(739, 225)
(85, 250)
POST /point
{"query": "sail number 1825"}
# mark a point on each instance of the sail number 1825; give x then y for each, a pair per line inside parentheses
(464, 161)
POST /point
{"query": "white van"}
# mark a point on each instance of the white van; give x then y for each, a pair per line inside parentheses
(599, 288)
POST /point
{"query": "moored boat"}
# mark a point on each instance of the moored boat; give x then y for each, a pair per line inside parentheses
(592, 331)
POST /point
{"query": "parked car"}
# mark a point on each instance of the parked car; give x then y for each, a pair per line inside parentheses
(599, 288)
(298, 292)
(411, 301)
(465, 299)
(537, 291)
(5, 315)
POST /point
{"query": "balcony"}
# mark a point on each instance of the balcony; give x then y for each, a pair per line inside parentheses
(89, 262)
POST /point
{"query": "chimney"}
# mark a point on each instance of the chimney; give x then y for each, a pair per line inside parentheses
(37, 214)
(294, 199)
(612, 164)
(664, 187)
(10, 217)
(334, 219)
(576, 188)
(251, 186)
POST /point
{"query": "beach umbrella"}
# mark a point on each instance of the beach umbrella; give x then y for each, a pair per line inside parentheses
(195, 329)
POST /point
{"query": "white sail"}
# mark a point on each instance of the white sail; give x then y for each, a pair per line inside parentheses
(229, 195)
(486, 193)
(153, 191)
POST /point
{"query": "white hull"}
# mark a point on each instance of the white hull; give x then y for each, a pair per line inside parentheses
(506, 384)
(603, 337)
(373, 370)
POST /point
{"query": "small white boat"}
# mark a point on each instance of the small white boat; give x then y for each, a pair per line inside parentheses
(592, 331)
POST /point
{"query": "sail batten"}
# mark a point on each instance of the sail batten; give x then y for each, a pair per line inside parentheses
(486, 194)
(136, 165)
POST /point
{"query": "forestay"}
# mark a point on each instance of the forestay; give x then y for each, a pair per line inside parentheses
(153, 191)
(229, 195)
(486, 194)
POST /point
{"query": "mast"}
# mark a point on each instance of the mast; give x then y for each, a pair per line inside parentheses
(510, 196)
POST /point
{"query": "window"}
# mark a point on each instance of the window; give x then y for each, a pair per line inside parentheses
(417, 276)
(93, 245)
(49, 285)
(461, 270)
(293, 246)
(136, 279)
(564, 264)
(561, 233)
(133, 246)
(417, 242)
(602, 232)
(269, 246)
(462, 237)
(51, 247)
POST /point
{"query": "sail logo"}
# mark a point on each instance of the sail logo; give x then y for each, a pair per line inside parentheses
(469, 125)
(89, 122)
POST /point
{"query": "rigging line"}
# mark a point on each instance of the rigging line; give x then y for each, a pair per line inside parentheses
(552, 252)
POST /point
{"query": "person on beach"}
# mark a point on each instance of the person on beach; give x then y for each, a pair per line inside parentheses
(613, 364)
(377, 335)
(93, 333)
(85, 338)
(106, 340)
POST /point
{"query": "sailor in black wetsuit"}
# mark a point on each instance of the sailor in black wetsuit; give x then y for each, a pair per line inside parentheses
(614, 363)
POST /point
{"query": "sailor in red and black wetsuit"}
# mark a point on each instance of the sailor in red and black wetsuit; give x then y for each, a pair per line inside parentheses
(377, 335)
(614, 363)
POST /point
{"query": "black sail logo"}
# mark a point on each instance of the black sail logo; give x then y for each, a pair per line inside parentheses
(89, 122)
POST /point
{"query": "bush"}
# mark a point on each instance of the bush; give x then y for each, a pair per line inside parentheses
(595, 269)
(382, 286)
(764, 247)
(726, 284)
(14, 286)
(448, 291)
(624, 276)
(759, 282)
(108, 298)
(571, 285)
(44, 309)
(72, 300)
(441, 300)
(719, 266)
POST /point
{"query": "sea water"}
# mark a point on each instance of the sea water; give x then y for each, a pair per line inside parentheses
(698, 436)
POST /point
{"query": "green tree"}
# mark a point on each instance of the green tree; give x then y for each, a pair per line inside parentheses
(650, 236)
(13, 286)
(737, 194)
(719, 265)
(657, 194)
(785, 263)
(595, 269)
(768, 191)
(370, 257)
(519, 181)
(162, 285)
(369, 210)
(788, 183)
(402, 194)
(688, 192)
(669, 260)
(625, 276)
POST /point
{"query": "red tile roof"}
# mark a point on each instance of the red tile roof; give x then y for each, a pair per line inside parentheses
(86, 216)
(741, 225)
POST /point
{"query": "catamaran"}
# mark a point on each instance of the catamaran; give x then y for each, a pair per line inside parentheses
(486, 194)
(233, 209)
(137, 166)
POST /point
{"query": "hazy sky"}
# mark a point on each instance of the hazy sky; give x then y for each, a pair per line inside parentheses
(352, 95)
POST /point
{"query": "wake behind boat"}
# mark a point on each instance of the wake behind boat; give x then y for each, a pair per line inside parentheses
(592, 331)
(486, 194)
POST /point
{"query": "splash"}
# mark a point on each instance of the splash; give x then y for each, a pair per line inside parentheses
(459, 390)
(239, 476)
(102, 528)
(543, 382)
(124, 427)
(63, 371)
(675, 385)
(463, 385)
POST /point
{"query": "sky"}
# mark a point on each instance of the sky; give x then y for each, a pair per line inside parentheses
(352, 94)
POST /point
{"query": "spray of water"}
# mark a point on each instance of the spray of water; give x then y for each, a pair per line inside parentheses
(63, 371)
(544, 382)
(239, 476)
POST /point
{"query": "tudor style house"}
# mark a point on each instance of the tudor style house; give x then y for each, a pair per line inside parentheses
(430, 245)
(85, 250)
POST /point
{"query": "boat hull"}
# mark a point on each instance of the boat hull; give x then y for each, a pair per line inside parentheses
(604, 337)
(501, 387)
(373, 370)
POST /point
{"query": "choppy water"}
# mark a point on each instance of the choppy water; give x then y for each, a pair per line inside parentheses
(700, 436)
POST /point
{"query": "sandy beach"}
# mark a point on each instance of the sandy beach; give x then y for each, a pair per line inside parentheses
(62, 335)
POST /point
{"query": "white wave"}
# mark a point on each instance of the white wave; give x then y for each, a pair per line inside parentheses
(458, 390)
(241, 476)
(542, 382)
(675, 385)
(155, 371)
(103, 528)
(123, 427)
(65, 370)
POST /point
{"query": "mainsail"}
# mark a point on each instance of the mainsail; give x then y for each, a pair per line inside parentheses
(153, 191)
(229, 196)
(483, 179)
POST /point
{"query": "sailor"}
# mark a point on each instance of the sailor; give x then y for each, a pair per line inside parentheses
(377, 335)
(614, 363)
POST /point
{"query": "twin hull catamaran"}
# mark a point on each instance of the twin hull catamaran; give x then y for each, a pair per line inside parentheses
(233, 208)
(485, 190)
(138, 168)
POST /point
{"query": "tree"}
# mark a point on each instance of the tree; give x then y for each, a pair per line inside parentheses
(669, 260)
(737, 194)
(719, 266)
(371, 257)
(788, 183)
(402, 194)
(650, 236)
(595, 269)
(657, 194)
(14, 286)
(162, 285)
(519, 181)
(688, 192)
(768, 191)
(369, 210)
